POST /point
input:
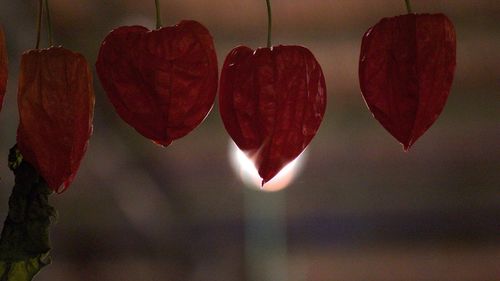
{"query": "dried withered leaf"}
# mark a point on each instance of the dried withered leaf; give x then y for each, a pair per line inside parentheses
(56, 105)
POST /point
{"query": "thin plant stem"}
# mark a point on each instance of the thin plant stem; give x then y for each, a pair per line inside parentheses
(408, 6)
(39, 24)
(269, 22)
(49, 23)
(158, 16)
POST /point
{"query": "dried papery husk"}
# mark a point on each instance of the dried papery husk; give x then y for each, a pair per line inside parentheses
(406, 69)
(272, 102)
(161, 82)
(56, 105)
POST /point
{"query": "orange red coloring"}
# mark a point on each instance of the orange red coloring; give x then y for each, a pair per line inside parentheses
(56, 105)
(406, 69)
(161, 82)
(272, 101)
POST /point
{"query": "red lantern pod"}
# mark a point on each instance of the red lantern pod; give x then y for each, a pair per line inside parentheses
(406, 70)
(56, 104)
(272, 102)
(161, 82)
(3, 67)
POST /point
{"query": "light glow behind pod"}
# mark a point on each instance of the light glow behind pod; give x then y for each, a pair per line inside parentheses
(247, 172)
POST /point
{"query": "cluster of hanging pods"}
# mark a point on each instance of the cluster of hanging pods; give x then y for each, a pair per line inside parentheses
(272, 100)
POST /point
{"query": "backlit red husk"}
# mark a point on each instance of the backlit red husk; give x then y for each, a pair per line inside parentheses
(406, 70)
(56, 104)
(272, 102)
(161, 82)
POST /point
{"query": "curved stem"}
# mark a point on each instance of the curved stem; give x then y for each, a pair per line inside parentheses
(49, 24)
(39, 24)
(158, 16)
(269, 22)
(408, 6)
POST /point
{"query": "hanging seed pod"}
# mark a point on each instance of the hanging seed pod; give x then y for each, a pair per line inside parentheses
(3, 67)
(272, 102)
(56, 104)
(161, 82)
(406, 70)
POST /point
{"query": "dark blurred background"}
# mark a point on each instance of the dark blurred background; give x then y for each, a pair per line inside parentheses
(361, 209)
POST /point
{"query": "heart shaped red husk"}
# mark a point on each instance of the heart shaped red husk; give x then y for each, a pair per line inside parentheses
(56, 105)
(272, 102)
(161, 82)
(3, 67)
(406, 70)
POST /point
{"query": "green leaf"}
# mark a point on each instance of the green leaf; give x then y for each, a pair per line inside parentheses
(25, 243)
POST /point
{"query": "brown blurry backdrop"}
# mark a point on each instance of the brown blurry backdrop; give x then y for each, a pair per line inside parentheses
(362, 209)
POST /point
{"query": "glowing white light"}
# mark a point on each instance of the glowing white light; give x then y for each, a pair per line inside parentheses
(246, 170)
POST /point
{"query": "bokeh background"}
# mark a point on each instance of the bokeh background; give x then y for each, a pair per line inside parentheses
(361, 209)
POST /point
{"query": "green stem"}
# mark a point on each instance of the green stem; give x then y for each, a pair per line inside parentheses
(49, 24)
(408, 6)
(269, 22)
(39, 24)
(158, 16)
